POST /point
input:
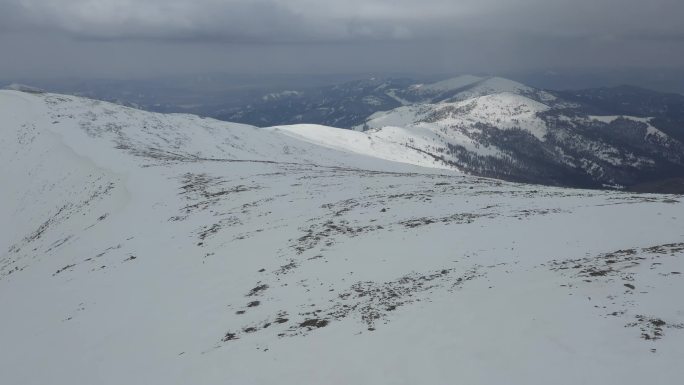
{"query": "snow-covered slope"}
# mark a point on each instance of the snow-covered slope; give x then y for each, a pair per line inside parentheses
(650, 130)
(504, 110)
(393, 144)
(145, 248)
(522, 135)
(450, 84)
(467, 87)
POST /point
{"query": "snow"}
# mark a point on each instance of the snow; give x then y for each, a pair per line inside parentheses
(23, 88)
(392, 143)
(132, 243)
(393, 94)
(456, 122)
(449, 84)
(650, 129)
(505, 111)
(280, 95)
(401, 116)
(490, 86)
(469, 87)
(372, 100)
(605, 119)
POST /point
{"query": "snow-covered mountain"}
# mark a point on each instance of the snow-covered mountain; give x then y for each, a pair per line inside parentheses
(490, 126)
(621, 137)
(349, 104)
(144, 248)
(467, 87)
(520, 134)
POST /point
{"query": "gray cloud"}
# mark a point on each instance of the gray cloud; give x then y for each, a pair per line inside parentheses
(426, 35)
(278, 21)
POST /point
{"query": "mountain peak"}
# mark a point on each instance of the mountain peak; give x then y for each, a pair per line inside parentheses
(450, 84)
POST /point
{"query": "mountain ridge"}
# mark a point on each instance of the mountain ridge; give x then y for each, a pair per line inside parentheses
(480, 125)
(143, 247)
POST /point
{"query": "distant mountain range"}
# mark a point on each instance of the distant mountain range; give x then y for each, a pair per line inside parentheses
(621, 137)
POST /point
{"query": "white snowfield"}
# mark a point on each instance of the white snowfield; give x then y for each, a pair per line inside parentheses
(140, 248)
(391, 143)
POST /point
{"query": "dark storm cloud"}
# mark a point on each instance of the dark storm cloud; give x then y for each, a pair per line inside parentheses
(248, 21)
(430, 35)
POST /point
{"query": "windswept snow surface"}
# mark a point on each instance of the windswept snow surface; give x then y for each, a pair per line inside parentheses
(169, 249)
(392, 143)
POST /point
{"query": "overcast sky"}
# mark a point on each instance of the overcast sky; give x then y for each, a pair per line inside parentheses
(115, 38)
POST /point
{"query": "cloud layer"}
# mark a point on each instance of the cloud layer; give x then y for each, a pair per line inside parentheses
(513, 33)
(302, 21)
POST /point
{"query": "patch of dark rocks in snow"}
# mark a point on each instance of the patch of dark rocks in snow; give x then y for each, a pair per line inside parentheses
(326, 232)
(653, 328)
(369, 302)
(257, 290)
(460, 218)
(618, 274)
(204, 191)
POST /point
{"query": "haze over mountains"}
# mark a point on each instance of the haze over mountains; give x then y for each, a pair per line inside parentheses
(169, 248)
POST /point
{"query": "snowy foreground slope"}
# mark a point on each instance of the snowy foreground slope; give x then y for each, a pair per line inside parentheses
(169, 249)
